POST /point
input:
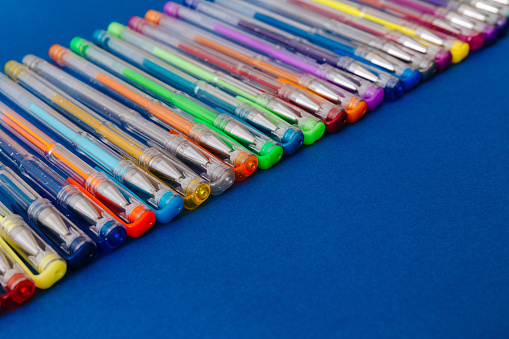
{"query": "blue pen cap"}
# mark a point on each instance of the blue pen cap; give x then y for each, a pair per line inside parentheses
(113, 235)
(394, 89)
(410, 78)
(170, 204)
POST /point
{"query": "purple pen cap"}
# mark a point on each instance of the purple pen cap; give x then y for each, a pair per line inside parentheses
(373, 96)
(491, 34)
(443, 59)
(502, 24)
(172, 9)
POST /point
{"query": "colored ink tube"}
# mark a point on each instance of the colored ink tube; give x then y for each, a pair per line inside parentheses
(323, 25)
(436, 23)
(249, 137)
(136, 217)
(372, 94)
(41, 263)
(333, 116)
(65, 237)
(324, 71)
(290, 138)
(312, 127)
(149, 188)
(336, 49)
(16, 285)
(97, 222)
(220, 175)
(181, 178)
(458, 49)
(230, 152)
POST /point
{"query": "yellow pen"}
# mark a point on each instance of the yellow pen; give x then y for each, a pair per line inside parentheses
(16, 235)
(458, 49)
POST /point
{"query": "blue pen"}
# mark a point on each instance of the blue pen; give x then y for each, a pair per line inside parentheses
(96, 222)
(157, 195)
(407, 73)
(289, 137)
(66, 238)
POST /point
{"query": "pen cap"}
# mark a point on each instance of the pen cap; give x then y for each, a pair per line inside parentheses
(41, 258)
(17, 286)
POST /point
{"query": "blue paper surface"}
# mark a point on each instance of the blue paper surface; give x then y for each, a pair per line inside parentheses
(395, 227)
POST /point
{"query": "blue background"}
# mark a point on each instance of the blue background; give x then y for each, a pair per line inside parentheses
(395, 227)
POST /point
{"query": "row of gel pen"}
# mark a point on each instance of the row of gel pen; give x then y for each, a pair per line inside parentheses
(158, 115)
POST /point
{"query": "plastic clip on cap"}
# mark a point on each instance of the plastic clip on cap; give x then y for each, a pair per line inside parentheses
(490, 34)
(394, 90)
(269, 156)
(18, 287)
(294, 140)
(338, 122)
(245, 164)
(374, 96)
(459, 51)
(357, 107)
(443, 59)
(411, 78)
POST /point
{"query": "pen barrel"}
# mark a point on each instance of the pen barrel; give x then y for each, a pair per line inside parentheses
(15, 189)
(70, 164)
(31, 166)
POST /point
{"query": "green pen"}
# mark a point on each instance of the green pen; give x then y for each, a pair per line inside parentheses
(312, 127)
(268, 152)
